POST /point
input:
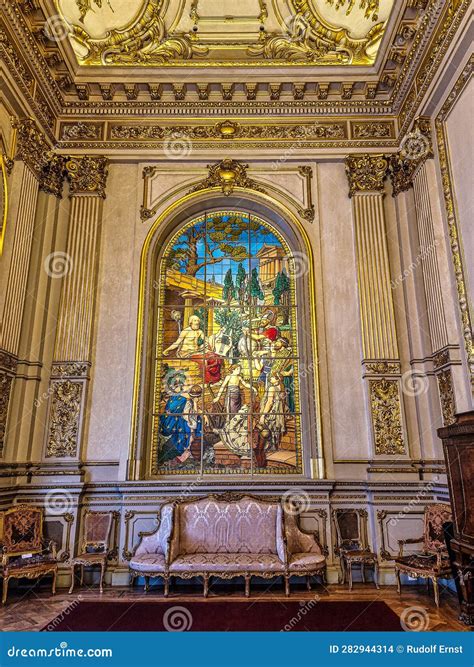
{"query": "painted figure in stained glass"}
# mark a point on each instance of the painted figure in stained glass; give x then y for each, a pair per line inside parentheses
(226, 396)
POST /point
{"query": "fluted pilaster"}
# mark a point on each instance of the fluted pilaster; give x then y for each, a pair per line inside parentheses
(72, 355)
(381, 364)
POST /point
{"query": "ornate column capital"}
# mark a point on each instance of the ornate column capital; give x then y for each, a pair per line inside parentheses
(34, 151)
(366, 173)
(416, 148)
(87, 175)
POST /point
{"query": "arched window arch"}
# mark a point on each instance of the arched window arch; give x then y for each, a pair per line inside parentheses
(226, 380)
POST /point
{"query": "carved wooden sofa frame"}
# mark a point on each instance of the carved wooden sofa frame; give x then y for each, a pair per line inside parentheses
(314, 566)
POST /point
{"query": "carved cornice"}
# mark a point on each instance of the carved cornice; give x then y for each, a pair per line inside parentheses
(366, 173)
(87, 175)
(227, 175)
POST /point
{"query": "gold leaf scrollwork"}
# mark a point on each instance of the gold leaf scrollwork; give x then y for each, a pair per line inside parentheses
(87, 175)
(227, 175)
(366, 173)
(66, 401)
(144, 42)
(386, 417)
(446, 396)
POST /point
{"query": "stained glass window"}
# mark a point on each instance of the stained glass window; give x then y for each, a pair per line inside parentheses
(226, 374)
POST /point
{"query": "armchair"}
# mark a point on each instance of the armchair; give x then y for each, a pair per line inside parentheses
(352, 543)
(95, 545)
(433, 561)
(26, 554)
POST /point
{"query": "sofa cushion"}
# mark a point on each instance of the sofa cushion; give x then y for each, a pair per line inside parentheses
(213, 526)
(148, 563)
(305, 561)
(227, 562)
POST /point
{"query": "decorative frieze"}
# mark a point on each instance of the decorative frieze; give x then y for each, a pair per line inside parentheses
(87, 175)
(382, 367)
(386, 411)
(366, 173)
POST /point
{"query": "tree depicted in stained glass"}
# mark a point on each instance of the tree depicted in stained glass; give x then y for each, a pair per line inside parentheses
(226, 389)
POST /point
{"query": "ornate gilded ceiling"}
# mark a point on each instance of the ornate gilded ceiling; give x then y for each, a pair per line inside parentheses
(219, 32)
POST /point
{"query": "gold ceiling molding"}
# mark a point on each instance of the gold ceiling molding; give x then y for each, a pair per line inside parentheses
(143, 42)
(312, 39)
(162, 33)
(371, 6)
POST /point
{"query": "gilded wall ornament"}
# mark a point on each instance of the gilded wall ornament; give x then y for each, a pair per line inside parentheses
(446, 396)
(366, 173)
(80, 130)
(72, 369)
(386, 417)
(230, 130)
(372, 130)
(383, 367)
(451, 214)
(227, 175)
(64, 418)
(6, 381)
(87, 175)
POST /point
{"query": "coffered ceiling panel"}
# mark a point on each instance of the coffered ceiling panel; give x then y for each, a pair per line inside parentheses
(223, 32)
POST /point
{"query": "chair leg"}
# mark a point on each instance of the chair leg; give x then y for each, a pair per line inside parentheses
(247, 585)
(102, 572)
(73, 570)
(376, 575)
(5, 590)
(82, 575)
(167, 586)
(399, 581)
(362, 572)
(436, 591)
(206, 585)
(349, 567)
(308, 582)
(147, 584)
(343, 571)
(287, 585)
(53, 585)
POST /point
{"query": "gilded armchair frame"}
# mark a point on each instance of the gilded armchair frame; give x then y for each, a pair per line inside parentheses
(36, 546)
(440, 569)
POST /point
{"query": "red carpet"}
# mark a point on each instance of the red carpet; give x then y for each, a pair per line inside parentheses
(308, 615)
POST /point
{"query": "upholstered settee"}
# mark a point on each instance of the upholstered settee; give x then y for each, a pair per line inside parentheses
(243, 536)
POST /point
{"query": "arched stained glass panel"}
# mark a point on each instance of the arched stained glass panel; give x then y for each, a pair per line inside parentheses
(226, 397)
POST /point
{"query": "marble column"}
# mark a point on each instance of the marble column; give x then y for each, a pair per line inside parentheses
(36, 169)
(381, 362)
(70, 371)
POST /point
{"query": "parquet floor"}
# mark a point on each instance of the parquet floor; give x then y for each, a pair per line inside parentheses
(32, 609)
